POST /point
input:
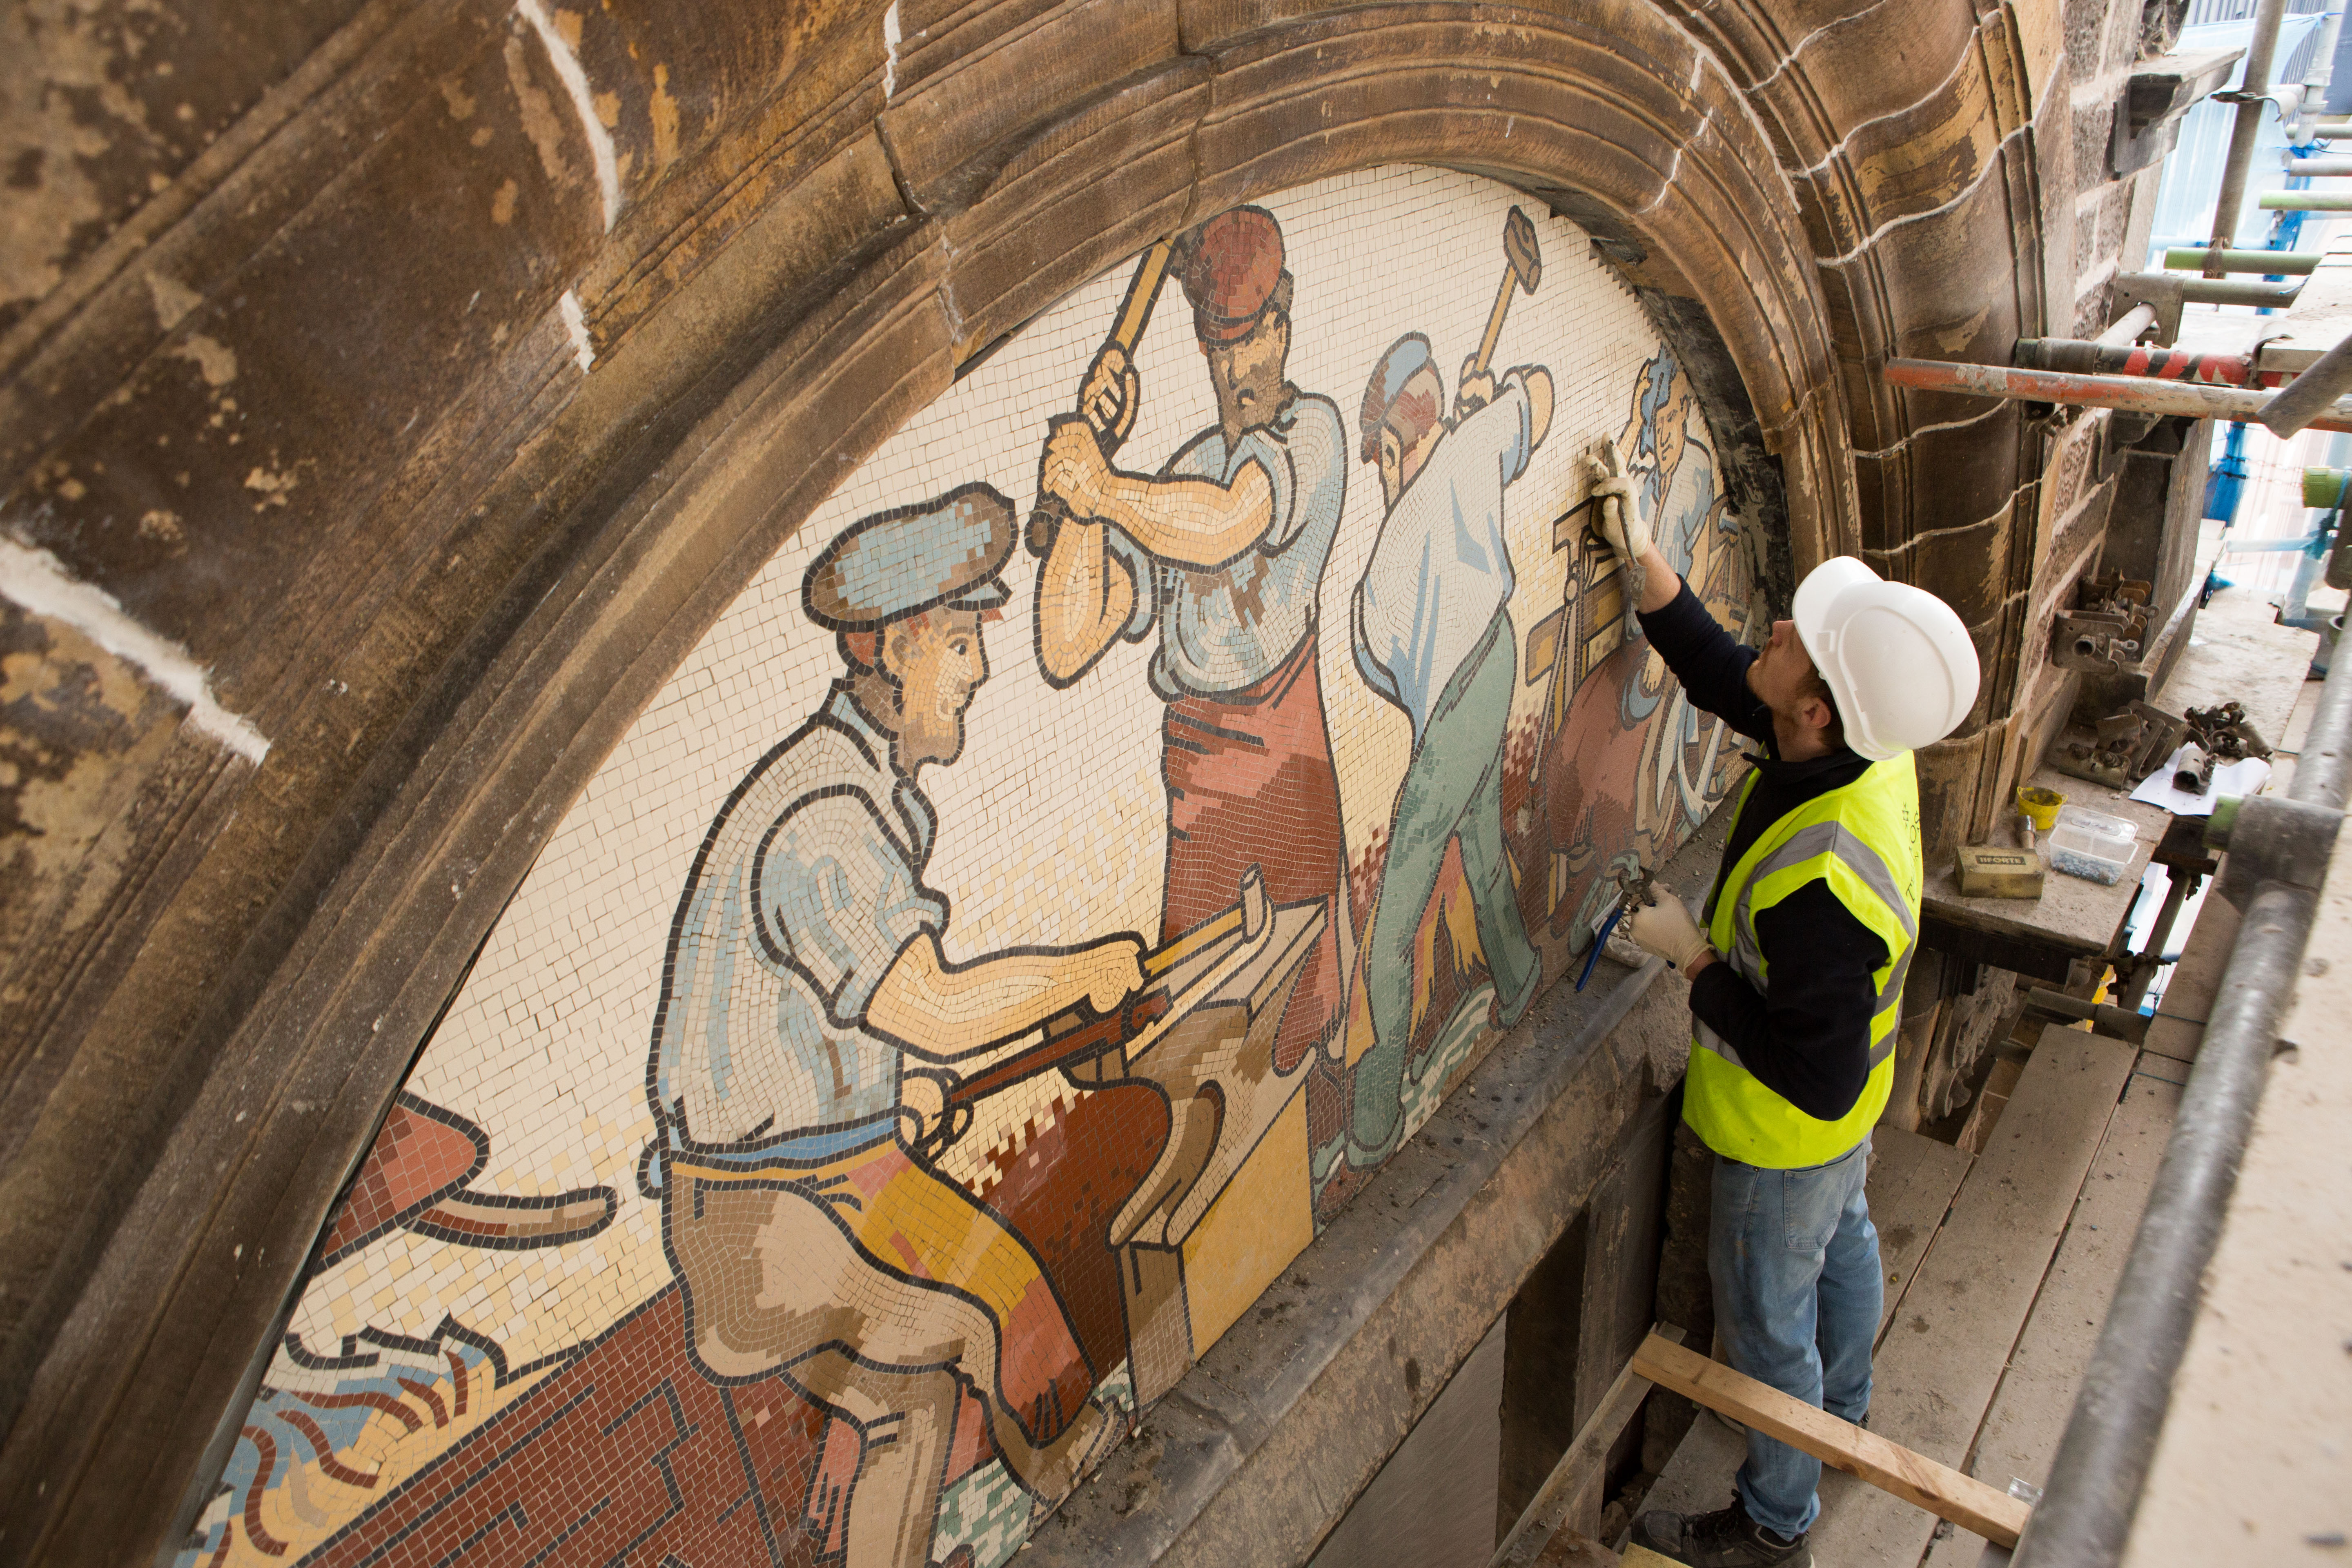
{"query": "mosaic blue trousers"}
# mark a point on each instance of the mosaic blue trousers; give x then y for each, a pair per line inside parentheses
(1453, 789)
(1798, 1294)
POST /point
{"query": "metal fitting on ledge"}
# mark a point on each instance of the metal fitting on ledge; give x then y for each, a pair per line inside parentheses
(2271, 839)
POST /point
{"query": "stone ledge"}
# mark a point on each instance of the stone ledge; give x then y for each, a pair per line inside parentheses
(1304, 1399)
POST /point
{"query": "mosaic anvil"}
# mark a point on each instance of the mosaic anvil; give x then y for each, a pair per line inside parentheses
(1186, 1269)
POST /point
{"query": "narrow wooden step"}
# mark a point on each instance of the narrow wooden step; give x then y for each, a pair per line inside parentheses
(1951, 1324)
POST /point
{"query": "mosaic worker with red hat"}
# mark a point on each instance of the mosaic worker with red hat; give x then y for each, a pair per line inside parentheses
(809, 1024)
(1223, 551)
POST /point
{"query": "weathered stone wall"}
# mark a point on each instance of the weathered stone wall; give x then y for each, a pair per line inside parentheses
(2074, 464)
(382, 434)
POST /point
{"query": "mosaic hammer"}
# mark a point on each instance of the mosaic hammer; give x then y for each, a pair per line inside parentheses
(1070, 1039)
(1127, 330)
(1522, 268)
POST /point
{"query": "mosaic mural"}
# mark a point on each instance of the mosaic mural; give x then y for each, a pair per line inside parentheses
(1084, 854)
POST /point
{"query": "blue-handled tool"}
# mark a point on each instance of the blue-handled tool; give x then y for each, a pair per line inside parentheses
(1633, 892)
(1600, 938)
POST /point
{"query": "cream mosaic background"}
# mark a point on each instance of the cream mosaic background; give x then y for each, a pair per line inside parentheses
(1052, 826)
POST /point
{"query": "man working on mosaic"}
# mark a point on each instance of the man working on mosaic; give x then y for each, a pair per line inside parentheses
(1796, 985)
(1223, 551)
(808, 1027)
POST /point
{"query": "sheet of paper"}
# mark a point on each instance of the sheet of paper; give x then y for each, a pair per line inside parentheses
(2229, 778)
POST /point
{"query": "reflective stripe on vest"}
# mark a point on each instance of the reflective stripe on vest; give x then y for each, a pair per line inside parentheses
(1862, 839)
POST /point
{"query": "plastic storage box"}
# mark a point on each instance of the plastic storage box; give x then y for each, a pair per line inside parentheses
(2091, 845)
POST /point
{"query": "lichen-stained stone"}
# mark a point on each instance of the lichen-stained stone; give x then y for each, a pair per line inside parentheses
(1089, 189)
(1947, 145)
(1940, 473)
(2100, 39)
(953, 128)
(558, 690)
(341, 696)
(1820, 71)
(2077, 536)
(2093, 129)
(307, 372)
(2040, 40)
(1949, 272)
(2099, 227)
(79, 730)
(1951, 775)
(664, 79)
(1944, 285)
(811, 134)
(936, 35)
(2057, 173)
(1965, 562)
(112, 101)
(115, 308)
(2066, 478)
(1912, 161)
(2026, 648)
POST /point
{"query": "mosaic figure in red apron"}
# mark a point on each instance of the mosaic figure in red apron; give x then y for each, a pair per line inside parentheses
(1223, 551)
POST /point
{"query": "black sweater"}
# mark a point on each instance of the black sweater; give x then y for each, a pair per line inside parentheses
(1808, 1039)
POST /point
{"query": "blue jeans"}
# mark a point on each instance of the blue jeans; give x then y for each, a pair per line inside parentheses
(1797, 1293)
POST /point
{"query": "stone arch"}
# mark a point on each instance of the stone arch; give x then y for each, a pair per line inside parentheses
(926, 232)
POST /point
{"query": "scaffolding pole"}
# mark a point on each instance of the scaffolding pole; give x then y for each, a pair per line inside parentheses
(2139, 394)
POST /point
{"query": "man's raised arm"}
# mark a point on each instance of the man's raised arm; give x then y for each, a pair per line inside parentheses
(1085, 596)
(1711, 664)
(1193, 522)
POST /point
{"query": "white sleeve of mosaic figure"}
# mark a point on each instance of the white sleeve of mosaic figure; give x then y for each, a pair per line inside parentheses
(799, 909)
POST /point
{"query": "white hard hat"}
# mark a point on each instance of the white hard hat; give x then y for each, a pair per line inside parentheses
(1897, 661)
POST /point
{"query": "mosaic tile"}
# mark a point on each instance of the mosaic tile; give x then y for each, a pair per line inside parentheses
(1070, 868)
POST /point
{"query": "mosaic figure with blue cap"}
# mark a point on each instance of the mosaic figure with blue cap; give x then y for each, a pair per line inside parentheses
(809, 1030)
(1432, 635)
(1605, 681)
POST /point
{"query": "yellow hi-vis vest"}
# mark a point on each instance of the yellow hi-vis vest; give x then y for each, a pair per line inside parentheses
(1863, 840)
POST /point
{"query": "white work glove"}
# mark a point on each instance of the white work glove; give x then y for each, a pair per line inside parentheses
(1620, 519)
(1667, 929)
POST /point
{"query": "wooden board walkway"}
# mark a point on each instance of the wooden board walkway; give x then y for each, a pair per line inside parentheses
(1953, 1322)
(1911, 1185)
(2029, 1413)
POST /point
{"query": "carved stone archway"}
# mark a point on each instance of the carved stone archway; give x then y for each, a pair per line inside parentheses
(795, 286)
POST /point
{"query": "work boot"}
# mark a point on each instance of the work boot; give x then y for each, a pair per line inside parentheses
(1726, 1537)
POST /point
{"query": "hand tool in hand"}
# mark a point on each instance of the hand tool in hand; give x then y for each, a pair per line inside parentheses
(1632, 892)
(1073, 1037)
(1522, 269)
(1665, 926)
(1110, 426)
